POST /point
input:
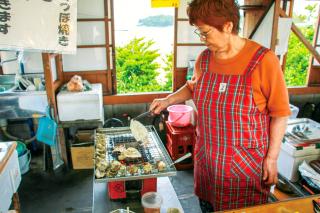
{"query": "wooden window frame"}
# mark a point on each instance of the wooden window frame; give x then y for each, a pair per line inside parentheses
(313, 76)
(148, 97)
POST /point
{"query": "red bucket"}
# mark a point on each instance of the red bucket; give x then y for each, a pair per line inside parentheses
(180, 115)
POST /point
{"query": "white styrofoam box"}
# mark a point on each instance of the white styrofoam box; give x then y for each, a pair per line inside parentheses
(294, 111)
(86, 105)
(10, 179)
(291, 157)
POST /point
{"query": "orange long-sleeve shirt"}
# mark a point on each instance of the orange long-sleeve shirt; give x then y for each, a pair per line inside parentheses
(269, 89)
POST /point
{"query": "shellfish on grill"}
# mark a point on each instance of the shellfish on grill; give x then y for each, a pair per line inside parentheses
(119, 149)
(147, 168)
(102, 165)
(121, 157)
(161, 166)
(101, 146)
(100, 174)
(133, 169)
(122, 171)
(132, 153)
(115, 165)
(111, 173)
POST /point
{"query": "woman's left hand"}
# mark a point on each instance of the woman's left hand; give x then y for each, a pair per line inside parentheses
(270, 171)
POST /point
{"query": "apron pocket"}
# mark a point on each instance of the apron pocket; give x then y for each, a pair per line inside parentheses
(247, 162)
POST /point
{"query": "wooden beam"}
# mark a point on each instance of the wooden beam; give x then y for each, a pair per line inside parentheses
(59, 67)
(112, 80)
(90, 19)
(274, 34)
(57, 84)
(314, 71)
(252, 7)
(93, 46)
(175, 41)
(179, 78)
(284, 60)
(182, 19)
(85, 72)
(303, 90)
(301, 37)
(255, 25)
(133, 99)
(49, 81)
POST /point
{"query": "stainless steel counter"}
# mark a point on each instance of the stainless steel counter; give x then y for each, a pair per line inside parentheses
(102, 203)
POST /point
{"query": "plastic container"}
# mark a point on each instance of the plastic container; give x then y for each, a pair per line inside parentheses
(151, 202)
(180, 115)
(294, 111)
(24, 162)
(21, 148)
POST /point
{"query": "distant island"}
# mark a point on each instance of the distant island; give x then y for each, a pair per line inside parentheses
(156, 21)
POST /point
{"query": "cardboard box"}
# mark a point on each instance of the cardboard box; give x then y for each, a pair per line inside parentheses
(82, 156)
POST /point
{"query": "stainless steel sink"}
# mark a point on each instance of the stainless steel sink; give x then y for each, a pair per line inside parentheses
(16, 104)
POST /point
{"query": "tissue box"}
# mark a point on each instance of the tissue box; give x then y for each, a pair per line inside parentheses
(86, 105)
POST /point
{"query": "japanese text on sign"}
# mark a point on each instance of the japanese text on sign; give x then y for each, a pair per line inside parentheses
(4, 15)
(64, 27)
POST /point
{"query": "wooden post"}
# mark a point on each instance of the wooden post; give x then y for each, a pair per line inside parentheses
(313, 78)
(16, 202)
(51, 87)
(284, 60)
(274, 35)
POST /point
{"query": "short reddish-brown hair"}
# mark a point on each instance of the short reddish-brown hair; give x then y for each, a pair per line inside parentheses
(214, 13)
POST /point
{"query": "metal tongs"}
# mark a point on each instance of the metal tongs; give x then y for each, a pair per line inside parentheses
(142, 115)
(181, 159)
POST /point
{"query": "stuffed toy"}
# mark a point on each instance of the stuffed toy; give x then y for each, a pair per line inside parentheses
(75, 84)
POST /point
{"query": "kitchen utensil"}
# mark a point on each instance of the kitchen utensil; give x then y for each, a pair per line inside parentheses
(139, 131)
(180, 115)
(142, 115)
(181, 159)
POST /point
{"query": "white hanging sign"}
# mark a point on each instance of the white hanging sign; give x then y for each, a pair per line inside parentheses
(39, 25)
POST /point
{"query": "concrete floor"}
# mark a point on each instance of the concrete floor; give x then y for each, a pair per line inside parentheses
(72, 191)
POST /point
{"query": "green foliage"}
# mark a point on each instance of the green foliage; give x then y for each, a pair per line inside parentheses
(298, 59)
(168, 72)
(137, 67)
(298, 55)
(156, 21)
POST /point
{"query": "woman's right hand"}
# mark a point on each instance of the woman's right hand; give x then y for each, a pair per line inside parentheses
(158, 105)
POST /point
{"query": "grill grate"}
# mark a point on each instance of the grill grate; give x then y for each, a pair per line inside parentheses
(152, 152)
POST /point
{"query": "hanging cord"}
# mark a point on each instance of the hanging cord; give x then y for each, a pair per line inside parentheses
(11, 137)
(113, 122)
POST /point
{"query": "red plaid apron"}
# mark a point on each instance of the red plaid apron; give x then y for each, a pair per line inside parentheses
(232, 139)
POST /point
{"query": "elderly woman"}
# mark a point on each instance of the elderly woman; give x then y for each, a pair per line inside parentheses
(242, 103)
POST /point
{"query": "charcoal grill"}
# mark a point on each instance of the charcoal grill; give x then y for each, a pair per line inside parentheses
(152, 152)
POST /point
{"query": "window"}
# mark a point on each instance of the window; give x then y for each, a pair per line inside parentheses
(297, 62)
(144, 39)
